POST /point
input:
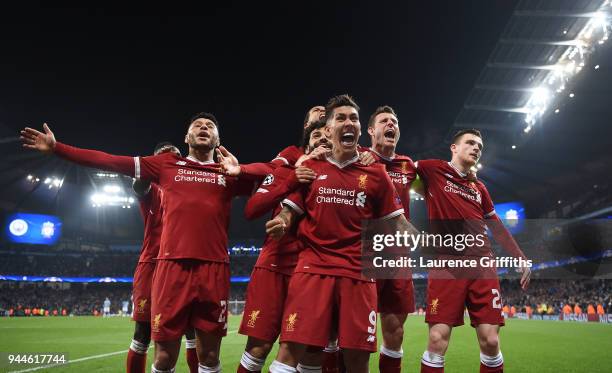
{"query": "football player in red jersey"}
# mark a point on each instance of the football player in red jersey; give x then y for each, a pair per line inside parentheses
(328, 288)
(149, 198)
(269, 281)
(192, 279)
(456, 199)
(395, 296)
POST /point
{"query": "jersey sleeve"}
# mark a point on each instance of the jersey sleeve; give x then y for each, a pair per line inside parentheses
(288, 156)
(97, 159)
(424, 168)
(295, 201)
(257, 170)
(388, 203)
(274, 188)
(148, 168)
(488, 209)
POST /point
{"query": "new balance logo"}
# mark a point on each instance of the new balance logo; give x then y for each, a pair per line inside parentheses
(181, 163)
(322, 177)
(448, 175)
(360, 200)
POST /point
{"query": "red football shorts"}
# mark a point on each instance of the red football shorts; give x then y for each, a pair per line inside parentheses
(141, 292)
(315, 303)
(189, 293)
(448, 298)
(395, 296)
(265, 301)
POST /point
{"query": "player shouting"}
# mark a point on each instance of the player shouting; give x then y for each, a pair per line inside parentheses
(191, 281)
(267, 289)
(328, 288)
(395, 296)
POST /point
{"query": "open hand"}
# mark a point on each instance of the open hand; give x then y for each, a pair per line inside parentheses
(36, 140)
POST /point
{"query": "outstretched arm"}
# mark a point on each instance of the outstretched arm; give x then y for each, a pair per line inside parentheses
(46, 143)
(505, 239)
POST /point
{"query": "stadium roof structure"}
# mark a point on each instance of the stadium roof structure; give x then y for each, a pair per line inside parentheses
(540, 101)
(531, 69)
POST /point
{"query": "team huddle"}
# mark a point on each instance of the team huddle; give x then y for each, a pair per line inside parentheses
(308, 287)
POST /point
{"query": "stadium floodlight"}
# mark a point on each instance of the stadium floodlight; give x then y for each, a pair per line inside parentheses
(52, 182)
(108, 175)
(513, 146)
(571, 62)
(112, 188)
(111, 199)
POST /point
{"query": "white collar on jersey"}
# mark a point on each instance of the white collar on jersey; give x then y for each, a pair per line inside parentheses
(345, 163)
(382, 156)
(457, 170)
(200, 162)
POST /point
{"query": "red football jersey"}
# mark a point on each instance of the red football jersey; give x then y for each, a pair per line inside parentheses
(277, 255)
(197, 205)
(280, 256)
(151, 211)
(289, 155)
(335, 206)
(402, 172)
(454, 203)
(196, 201)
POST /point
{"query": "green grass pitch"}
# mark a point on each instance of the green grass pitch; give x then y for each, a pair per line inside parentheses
(528, 346)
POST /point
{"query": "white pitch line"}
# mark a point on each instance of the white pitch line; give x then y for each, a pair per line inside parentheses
(83, 359)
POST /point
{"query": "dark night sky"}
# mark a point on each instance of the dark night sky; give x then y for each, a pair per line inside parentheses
(123, 79)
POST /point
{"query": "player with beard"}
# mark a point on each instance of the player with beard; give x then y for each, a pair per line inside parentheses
(192, 279)
(395, 296)
(328, 288)
(267, 288)
(458, 203)
(149, 198)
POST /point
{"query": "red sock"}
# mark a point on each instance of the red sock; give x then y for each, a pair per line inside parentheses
(388, 364)
(486, 369)
(428, 369)
(192, 359)
(330, 362)
(136, 362)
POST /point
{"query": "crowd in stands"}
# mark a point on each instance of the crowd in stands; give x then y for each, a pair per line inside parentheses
(83, 264)
(542, 297)
(554, 297)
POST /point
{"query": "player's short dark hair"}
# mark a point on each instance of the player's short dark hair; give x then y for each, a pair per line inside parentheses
(460, 133)
(339, 101)
(380, 110)
(204, 115)
(310, 129)
(160, 145)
